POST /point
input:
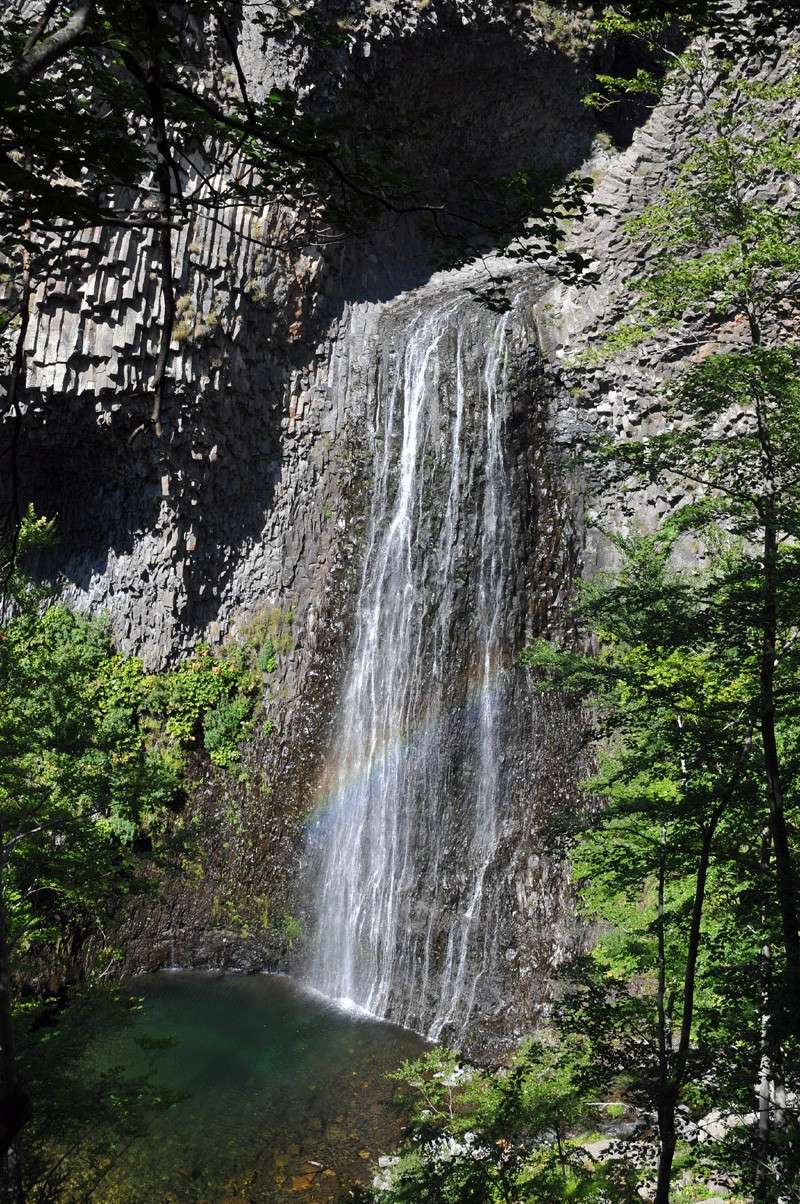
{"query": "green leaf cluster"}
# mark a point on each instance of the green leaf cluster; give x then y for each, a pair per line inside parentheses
(95, 756)
(653, 37)
(208, 698)
(496, 1136)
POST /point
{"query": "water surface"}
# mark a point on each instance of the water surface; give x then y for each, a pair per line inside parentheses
(286, 1094)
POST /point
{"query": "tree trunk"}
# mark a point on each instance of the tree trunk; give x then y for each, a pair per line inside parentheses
(16, 1191)
(764, 1088)
(667, 1141)
(787, 894)
(661, 990)
(10, 523)
(669, 1091)
(164, 169)
(149, 76)
(693, 950)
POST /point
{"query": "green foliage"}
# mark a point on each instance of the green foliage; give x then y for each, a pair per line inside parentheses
(78, 777)
(479, 1136)
(224, 725)
(569, 31)
(723, 244)
(658, 33)
(671, 866)
(268, 631)
(291, 929)
(719, 244)
(93, 758)
(686, 855)
(267, 657)
(209, 695)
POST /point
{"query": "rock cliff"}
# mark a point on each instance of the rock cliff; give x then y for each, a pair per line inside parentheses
(255, 501)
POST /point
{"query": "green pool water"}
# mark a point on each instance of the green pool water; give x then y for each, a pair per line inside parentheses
(286, 1096)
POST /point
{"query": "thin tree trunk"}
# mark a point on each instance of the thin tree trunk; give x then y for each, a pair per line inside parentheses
(695, 937)
(16, 1190)
(787, 893)
(764, 1088)
(666, 1112)
(766, 1062)
(663, 1034)
(667, 1142)
(164, 169)
(168, 321)
(669, 1093)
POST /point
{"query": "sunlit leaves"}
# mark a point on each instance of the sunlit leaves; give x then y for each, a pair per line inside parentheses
(93, 757)
(729, 31)
(484, 1137)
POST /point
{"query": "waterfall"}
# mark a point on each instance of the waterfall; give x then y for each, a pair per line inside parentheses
(411, 895)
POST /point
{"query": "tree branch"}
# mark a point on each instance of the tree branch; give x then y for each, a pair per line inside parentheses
(42, 54)
(40, 26)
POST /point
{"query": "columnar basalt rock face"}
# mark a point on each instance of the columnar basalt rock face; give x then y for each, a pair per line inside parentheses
(174, 541)
(257, 495)
(623, 394)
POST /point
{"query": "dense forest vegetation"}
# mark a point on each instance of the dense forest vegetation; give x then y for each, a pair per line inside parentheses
(669, 1068)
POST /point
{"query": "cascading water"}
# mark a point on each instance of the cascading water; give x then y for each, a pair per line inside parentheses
(413, 892)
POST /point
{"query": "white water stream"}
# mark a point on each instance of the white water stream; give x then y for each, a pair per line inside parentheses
(409, 907)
